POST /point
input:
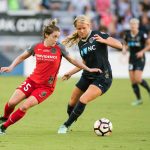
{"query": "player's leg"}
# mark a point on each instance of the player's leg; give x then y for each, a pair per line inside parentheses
(76, 94)
(23, 91)
(90, 94)
(19, 113)
(142, 82)
(37, 96)
(80, 88)
(145, 84)
(135, 88)
(15, 99)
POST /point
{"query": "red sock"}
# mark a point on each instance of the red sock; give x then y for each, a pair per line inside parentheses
(17, 115)
(7, 111)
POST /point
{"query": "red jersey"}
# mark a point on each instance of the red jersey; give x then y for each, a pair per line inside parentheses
(48, 61)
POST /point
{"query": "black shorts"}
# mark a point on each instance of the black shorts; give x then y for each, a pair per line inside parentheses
(137, 65)
(101, 82)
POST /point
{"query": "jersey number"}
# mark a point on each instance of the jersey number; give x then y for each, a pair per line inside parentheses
(27, 86)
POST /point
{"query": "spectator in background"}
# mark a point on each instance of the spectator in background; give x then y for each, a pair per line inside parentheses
(78, 6)
(123, 6)
(106, 17)
(31, 4)
(145, 5)
(145, 23)
(3, 5)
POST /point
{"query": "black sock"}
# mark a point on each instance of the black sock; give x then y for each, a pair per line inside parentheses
(69, 109)
(77, 111)
(145, 85)
(136, 91)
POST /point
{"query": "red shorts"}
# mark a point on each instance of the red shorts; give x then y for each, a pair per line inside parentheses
(39, 91)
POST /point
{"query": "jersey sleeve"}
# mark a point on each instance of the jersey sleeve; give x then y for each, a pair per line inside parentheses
(104, 35)
(144, 37)
(63, 50)
(30, 49)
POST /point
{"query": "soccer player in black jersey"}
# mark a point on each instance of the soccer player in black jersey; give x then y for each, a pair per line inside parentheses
(137, 43)
(93, 50)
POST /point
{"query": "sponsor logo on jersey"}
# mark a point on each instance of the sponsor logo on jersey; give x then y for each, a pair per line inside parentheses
(46, 56)
(85, 50)
(133, 43)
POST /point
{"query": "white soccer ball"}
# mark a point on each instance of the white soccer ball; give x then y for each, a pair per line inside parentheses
(103, 127)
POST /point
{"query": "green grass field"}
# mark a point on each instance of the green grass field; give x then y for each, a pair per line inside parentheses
(38, 129)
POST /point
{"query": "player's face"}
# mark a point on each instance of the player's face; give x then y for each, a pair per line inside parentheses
(134, 26)
(83, 29)
(53, 38)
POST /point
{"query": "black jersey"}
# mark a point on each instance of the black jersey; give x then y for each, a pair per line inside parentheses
(95, 55)
(135, 44)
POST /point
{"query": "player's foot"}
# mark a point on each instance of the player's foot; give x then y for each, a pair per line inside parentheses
(2, 130)
(62, 129)
(2, 120)
(137, 102)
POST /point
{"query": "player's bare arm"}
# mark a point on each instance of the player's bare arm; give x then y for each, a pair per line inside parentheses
(81, 65)
(147, 48)
(109, 41)
(68, 74)
(17, 61)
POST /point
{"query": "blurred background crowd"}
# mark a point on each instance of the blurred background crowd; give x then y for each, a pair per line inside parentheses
(111, 16)
(21, 21)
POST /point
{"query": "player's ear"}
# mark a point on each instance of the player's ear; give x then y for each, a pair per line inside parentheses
(46, 35)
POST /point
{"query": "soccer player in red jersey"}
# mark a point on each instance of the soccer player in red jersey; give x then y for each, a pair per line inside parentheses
(41, 83)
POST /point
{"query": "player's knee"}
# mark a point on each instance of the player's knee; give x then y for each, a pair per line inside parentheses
(83, 100)
(24, 108)
(73, 100)
(138, 80)
(11, 104)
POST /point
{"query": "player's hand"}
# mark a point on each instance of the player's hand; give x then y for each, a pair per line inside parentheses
(66, 76)
(99, 39)
(139, 54)
(95, 70)
(6, 69)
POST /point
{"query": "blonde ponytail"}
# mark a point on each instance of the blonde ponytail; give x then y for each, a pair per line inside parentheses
(71, 39)
(74, 37)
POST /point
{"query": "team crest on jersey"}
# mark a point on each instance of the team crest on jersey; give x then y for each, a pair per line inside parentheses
(51, 79)
(106, 74)
(91, 40)
(53, 50)
(43, 93)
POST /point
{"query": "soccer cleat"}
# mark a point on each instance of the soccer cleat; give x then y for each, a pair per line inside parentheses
(2, 120)
(137, 102)
(2, 130)
(62, 129)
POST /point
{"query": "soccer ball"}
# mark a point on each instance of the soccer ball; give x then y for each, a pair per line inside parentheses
(103, 127)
